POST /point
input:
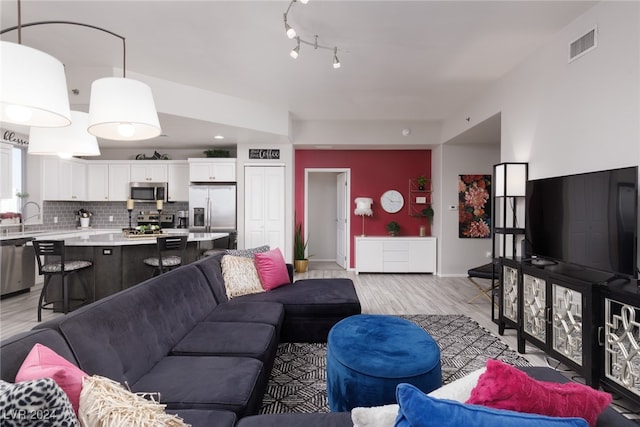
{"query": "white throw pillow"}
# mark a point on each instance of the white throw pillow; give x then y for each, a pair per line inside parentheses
(385, 416)
(240, 276)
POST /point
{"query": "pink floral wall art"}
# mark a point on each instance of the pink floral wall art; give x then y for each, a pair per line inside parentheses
(474, 207)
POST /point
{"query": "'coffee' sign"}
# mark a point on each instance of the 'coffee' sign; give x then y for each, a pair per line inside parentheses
(264, 153)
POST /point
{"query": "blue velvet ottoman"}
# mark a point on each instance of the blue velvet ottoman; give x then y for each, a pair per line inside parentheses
(369, 355)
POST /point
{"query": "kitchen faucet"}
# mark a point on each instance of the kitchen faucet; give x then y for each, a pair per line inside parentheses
(29, 217)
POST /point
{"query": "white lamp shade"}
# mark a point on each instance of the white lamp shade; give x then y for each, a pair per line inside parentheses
(68, 141)
(33, 87)
(363, 206)
(511, 179)
(122, 109)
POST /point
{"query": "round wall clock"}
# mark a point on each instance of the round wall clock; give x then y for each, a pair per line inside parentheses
(392, 201)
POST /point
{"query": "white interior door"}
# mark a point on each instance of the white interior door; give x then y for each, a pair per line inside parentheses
(264, 206)
(341, 220)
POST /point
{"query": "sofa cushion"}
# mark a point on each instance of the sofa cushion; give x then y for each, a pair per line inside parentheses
(257, 340)
(124, 336)
(609, 418)
(272, 269)
(205, 418)
(335, 419)
(503, 386)
(206, 382)
(271, 313)
(15, 349)
(240, 276)
(419, 410)
(312, 307)
(42, 362)
(212, 270)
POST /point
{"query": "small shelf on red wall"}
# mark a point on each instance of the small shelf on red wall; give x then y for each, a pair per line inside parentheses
(419, 197)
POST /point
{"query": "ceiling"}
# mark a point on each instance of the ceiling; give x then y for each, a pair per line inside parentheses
(401, 60)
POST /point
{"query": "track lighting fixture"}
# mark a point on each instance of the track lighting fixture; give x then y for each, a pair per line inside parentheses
(336, 61)
(296, 50)
(291, 33)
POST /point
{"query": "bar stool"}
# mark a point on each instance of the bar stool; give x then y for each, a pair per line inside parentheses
(164, 262)
(54, 264)
(230, 242)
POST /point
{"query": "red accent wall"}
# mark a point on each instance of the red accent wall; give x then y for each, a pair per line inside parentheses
(372, 173)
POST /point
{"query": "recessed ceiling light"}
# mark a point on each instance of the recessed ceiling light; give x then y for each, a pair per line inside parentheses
(218, 137)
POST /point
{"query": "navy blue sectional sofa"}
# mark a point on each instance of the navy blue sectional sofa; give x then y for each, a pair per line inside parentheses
(177, 334)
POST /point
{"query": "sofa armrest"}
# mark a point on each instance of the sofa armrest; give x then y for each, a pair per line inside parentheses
(290, 271)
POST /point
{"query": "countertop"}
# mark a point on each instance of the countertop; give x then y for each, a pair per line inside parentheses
(104, 237)
(119, 239)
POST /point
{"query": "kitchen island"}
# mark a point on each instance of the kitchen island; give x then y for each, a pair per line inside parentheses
(118, 259)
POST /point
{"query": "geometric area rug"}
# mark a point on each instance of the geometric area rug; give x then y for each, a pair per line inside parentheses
(298, 378)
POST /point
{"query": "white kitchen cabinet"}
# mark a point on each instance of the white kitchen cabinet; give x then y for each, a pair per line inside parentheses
(6, 177)
(178, 182)
(148, 171)
(119, 179)
(97, 181)
(63, 179)
(380, 254)
(212, 170)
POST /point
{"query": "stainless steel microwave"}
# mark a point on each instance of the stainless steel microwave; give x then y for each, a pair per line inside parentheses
(148, 191)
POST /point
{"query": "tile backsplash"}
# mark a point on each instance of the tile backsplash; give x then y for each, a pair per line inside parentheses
(101, 211)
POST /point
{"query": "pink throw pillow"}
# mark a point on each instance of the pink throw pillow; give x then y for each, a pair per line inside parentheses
(42, 362)
(505, 387)
(272, 269)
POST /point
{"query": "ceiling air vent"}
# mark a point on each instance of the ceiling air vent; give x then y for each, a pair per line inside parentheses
(582, 45)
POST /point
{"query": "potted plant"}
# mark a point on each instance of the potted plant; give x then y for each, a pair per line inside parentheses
(393, 228)
(428, 213)
(422, 182)
(300, 261)
(216, 152)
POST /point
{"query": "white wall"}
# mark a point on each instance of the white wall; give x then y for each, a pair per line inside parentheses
(457, 255)
(566, 118)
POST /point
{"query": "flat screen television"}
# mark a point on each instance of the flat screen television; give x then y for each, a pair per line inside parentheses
(587, 220)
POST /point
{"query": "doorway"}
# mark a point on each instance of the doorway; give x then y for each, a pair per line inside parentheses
(326, 201)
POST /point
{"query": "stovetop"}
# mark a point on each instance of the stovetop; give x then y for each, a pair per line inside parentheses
(155, 218)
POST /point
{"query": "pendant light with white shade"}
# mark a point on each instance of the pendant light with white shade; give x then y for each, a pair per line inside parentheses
(73, 140)
(33, 87)
(120, 109)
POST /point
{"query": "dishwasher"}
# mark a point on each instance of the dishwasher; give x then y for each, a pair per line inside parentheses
(17, 266)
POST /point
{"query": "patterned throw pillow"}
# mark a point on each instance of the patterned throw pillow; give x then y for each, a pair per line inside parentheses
(104, 402)
(240, 276)
(38, 402)
(248, 253)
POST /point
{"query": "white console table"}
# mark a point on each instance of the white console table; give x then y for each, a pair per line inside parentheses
(381, 254)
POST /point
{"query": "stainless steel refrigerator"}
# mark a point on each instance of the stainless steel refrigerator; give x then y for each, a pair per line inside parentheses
(212, 207)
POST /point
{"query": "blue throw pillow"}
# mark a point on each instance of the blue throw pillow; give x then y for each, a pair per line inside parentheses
(419, 410)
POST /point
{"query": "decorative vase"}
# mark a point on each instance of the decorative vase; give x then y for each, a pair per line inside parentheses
(423, 230)
(84, 222)
(301, 265)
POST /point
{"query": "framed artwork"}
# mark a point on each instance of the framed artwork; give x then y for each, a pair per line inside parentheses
(474, 206)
